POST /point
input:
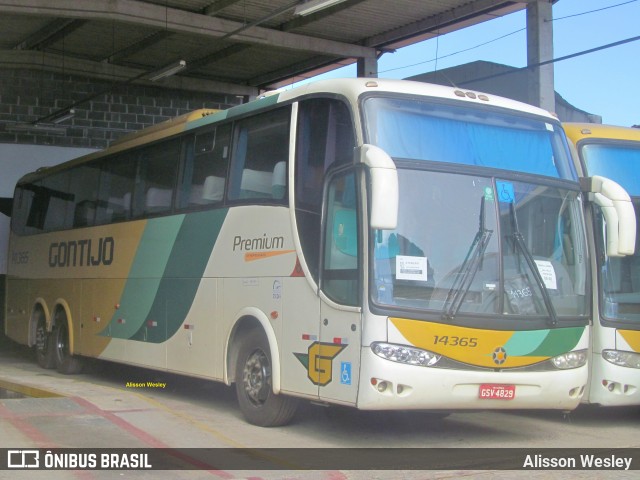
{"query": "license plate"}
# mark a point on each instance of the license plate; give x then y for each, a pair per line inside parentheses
(497, 392)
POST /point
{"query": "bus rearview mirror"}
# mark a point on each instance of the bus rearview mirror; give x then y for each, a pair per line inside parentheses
(617, 209)
(384, 187)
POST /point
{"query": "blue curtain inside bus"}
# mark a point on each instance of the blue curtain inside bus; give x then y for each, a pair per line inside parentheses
(468, 136)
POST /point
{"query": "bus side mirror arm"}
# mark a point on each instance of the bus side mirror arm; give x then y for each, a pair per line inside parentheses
(616, 206)
(384, 187)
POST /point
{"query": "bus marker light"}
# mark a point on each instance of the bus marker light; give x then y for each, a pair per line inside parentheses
(340, 341)
(274, 315)
(152, 323)
(374, 381)
(306, 336)
(96, 319)
(188, 326)
(117, 306)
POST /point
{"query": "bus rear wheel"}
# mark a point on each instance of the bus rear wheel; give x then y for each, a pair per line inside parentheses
(259, 405)
(65, 362)
(45, 344)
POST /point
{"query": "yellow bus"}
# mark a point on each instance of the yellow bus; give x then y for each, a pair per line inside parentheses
(374, 243)
(612, 152)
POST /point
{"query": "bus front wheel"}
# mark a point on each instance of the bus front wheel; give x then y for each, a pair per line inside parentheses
(259, 405)
(65, 362)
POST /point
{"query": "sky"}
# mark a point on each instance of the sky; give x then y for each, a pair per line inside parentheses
(605, 82)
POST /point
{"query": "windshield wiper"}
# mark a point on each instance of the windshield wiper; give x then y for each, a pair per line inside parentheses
(468, 269)
(522, 246)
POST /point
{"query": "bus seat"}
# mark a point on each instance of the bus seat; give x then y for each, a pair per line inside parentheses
(279, 180)
(57, 216)
(158, 198)
(213, 189)
(126, 202)
(195, 195)
(84, 214)
(255, 184)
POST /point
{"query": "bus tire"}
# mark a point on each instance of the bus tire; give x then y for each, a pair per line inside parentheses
(45, 344)
(259, 405)
(65, 362)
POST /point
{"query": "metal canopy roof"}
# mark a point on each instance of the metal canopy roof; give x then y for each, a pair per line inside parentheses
(230, 46)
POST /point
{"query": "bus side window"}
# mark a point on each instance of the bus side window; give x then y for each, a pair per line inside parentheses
(23, 199)
(260, 157)
(325, 137)
(84, 182)
(205, 173)
(53, 204)
(340, 272)
(116, 189)
(156, 178)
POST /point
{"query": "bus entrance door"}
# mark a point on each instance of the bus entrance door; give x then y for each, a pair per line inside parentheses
(338, 360)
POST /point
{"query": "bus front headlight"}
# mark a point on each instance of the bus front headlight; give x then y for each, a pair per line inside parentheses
(405, 354)
(622, 359)
(574, 359)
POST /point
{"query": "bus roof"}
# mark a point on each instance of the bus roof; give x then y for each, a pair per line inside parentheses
(581, 131)
(350, 88)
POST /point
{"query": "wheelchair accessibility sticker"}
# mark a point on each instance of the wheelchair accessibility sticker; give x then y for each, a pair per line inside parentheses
(345, 373)
(506, 193)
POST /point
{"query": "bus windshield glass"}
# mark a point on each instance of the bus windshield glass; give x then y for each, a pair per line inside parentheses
(619, 276)
(471, 242)
(617, 162)
(406, 128)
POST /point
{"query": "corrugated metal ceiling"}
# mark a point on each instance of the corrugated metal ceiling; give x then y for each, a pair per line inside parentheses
(230, 46)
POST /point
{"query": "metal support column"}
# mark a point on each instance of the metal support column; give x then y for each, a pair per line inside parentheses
(540, 49)
(368, 67)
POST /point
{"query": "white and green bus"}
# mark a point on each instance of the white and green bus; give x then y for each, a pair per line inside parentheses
(372, 243)
(614, 360)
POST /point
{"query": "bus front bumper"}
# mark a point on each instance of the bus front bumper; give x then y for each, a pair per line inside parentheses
(612, 385)
(387, 385)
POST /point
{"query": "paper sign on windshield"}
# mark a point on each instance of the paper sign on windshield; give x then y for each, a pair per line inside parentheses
(411, 268)
(548, 274)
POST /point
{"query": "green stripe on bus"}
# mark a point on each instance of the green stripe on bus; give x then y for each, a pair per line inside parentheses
(523, 343)
(148, 267)
(185, 268)
(236, 111)
(559, 341)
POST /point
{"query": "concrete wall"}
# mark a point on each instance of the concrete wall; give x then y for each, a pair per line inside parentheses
(28, 95)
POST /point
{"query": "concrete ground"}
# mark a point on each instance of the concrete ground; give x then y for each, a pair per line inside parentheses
(97, 410)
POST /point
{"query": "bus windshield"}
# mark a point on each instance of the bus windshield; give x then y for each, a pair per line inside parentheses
(476, 242)
(407, 128)
(617, 162)
(619, 276)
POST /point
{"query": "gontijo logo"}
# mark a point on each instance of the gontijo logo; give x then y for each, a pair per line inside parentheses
(319, 362)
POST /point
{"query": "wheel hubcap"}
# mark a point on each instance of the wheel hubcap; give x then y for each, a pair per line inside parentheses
(257, 377)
